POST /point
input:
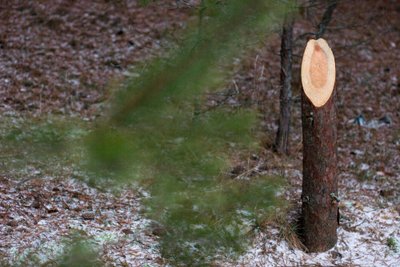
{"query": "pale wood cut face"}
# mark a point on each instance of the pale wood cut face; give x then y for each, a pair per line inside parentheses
(318, 67)
(318, 72)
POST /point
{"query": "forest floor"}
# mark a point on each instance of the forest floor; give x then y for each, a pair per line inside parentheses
(61, 61)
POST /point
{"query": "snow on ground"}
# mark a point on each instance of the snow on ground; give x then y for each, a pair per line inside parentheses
(37, 217)
(38, 225)
(369, 235)
(363, 243)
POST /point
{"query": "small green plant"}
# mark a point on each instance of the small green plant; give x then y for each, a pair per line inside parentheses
(80, 254)
(392, 243)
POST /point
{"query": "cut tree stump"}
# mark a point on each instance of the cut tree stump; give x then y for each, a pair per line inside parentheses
(319, 219)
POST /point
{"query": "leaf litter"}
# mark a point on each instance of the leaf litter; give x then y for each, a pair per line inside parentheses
(40, 215)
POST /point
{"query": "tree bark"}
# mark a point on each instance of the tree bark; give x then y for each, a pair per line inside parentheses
(320, 186)
(282, 136)
(320, 212)
(326, 18)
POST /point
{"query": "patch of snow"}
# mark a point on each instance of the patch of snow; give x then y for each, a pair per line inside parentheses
(363, 242)
(364, 167)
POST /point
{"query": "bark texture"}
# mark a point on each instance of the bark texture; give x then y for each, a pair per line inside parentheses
(282, 136)
(326, 18)
(320, 186)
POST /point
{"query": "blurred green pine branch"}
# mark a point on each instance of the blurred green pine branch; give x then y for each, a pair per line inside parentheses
(155, 135)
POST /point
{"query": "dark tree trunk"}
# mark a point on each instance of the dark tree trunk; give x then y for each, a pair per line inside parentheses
(282, 136)
(326, 18)
(320, 186)
(320, 212)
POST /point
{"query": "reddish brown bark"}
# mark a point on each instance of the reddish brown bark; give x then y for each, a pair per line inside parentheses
(320, 185)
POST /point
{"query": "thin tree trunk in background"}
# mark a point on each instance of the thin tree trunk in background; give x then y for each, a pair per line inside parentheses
(320, 188)
(326, 18)
(282, 136)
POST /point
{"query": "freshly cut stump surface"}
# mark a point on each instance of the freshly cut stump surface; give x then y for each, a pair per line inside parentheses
(318, 72)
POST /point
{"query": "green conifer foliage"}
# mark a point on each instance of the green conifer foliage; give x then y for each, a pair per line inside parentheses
(154, 135)
(157, 137)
